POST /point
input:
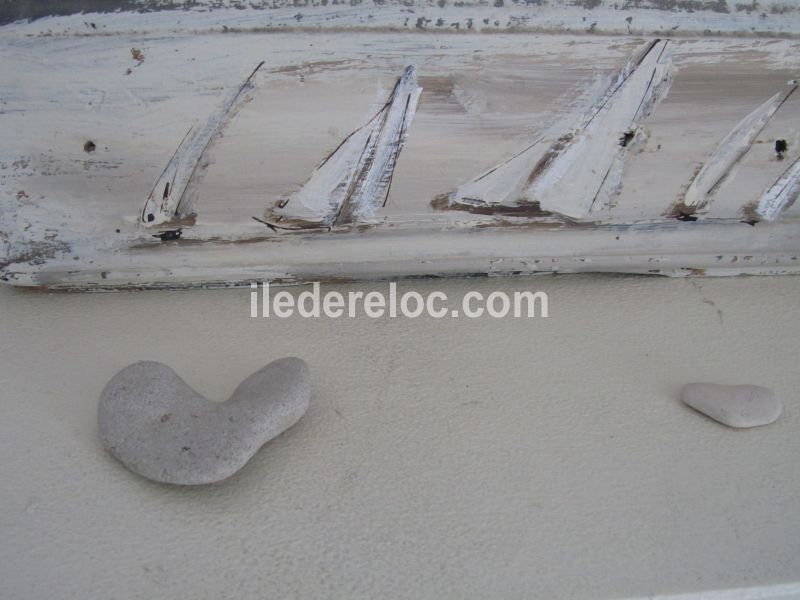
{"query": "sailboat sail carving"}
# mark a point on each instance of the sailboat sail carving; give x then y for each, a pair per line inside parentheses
(782, 194)
(581, 170)
(352, 182)
(731, 150)
(173, 193)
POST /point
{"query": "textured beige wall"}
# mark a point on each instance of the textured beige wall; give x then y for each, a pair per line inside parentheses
(440, 458)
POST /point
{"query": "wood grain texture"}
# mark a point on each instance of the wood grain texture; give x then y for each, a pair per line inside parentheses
(70, 218)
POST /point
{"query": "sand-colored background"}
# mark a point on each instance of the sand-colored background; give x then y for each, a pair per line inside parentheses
(452, 458)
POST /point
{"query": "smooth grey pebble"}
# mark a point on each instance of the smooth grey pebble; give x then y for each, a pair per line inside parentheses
(159, 427)
(733, 405)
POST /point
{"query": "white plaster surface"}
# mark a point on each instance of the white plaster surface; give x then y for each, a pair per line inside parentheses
(448, 458)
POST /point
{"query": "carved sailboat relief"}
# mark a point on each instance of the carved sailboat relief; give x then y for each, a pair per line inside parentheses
(173, 193)
(593, 190)
(580, 171)
(352, 182)
(730, 151)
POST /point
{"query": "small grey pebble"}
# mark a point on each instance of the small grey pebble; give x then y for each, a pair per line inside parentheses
(162, 429)
(733, 405)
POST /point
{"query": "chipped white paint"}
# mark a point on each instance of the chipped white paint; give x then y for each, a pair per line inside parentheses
(354, 180)
(644, 17)
(588, 172)
(173, 194)
(501, 185)
(582, 170)
(781, 194)
(731, 149)
(73, 220)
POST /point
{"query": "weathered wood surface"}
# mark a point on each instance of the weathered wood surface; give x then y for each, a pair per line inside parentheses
(523, 153)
